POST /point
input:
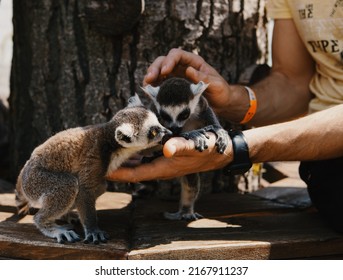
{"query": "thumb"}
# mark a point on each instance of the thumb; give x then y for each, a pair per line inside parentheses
(176, 146)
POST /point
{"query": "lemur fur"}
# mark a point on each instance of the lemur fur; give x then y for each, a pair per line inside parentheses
(68, 170)
(181, 108)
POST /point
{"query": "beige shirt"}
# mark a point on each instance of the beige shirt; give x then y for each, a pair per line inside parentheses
(320, 26)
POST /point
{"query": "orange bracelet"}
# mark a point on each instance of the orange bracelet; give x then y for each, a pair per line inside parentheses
(252, 106)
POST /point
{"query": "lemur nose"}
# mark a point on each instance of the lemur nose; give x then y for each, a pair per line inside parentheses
(176, 130)
(167, 135)
(167, 132)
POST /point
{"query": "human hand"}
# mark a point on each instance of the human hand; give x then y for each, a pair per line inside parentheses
(194, 68)
(180, 158)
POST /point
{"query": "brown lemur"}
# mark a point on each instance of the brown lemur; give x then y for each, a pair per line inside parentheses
(181, 108)
(68, 170)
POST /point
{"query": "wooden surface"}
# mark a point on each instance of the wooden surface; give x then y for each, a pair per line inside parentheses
(20, 239)
(235, 227)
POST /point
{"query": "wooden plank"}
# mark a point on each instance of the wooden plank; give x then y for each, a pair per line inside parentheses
(237, 227)
(5, 215)
(24, 241)
(7, 199)
(20, 239)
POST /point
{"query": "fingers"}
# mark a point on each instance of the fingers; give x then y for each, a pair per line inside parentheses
(160, 168)
(175, 63)
(179, 57)
(196, 76)
(180, 146)
(180, 159)
(154, 71)
(176, 146)
(157, 169)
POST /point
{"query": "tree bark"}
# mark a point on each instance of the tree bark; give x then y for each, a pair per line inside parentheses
(76, 62)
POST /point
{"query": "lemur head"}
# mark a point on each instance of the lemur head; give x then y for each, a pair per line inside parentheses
(138, 128)
(176, 101)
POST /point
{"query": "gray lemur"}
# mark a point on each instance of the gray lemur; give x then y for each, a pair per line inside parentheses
(181, 108)
(68, 170)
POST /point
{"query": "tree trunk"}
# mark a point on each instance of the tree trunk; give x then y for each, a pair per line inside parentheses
(76, 62)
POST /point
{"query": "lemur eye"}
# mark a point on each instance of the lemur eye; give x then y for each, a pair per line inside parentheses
(153, 132)
(165, 116)
(184, 115)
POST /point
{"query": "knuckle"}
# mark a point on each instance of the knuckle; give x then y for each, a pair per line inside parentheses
(174, 51)
(157, 61)
(160, 58)
(201, 60)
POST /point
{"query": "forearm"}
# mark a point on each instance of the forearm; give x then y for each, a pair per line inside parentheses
(281, 98)
(315, 137)
(278, 99)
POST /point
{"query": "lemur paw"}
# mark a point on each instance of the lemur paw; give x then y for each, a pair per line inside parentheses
(192, 216)
(182, 216)
(63, 234)
(96, 236)
(222, 140)
(222, 137)
(199, 137)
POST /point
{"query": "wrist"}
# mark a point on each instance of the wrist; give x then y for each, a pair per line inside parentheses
(241, 162)
(237, 104)
(261, 149)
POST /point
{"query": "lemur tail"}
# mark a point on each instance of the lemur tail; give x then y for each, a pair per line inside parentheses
(21, 202)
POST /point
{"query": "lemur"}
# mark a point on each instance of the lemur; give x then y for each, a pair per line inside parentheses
(68, 170)
(181, 108)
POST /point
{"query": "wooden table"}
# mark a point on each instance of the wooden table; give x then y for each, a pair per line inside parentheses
(235, 226)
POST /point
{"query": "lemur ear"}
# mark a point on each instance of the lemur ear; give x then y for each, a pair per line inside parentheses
(134, 101)
(124, 133)
(151, 91)
(199, 88)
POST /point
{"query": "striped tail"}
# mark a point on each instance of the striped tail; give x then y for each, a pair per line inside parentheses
(21, 202)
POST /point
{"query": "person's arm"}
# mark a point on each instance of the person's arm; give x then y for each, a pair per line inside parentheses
(285, 93)
(180, 158)
(314, 137)
(282, 95)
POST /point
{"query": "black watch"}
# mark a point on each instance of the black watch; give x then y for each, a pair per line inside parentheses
(241, 162)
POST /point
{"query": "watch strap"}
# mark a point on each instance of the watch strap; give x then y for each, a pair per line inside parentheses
(241, 162)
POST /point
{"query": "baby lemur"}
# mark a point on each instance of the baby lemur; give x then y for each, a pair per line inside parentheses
(181, 108)
(67, 171)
